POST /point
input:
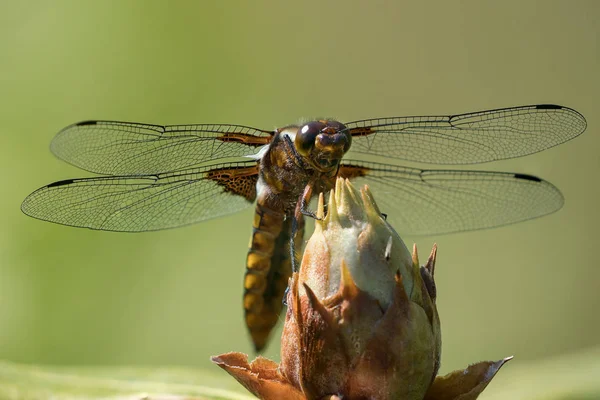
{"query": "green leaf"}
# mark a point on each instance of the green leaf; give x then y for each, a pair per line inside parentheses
(30, 382)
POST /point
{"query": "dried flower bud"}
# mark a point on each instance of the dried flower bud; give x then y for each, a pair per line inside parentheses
(358, 310)
(361, 320)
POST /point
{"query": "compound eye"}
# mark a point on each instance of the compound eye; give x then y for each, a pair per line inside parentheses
(306, 136)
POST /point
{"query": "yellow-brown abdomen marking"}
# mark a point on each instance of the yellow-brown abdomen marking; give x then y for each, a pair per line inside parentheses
(260, 317)
(268, 268)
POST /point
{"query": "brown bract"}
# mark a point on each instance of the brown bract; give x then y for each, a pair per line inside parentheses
(362, 321)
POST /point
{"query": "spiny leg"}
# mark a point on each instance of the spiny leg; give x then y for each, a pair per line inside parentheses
(297, 228)
(300, 210)
(298, 216)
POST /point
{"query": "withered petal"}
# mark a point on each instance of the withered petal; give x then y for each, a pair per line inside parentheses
(261, 377)
(464, 384)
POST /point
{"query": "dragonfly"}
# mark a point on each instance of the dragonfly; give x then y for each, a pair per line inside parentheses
(165, 176)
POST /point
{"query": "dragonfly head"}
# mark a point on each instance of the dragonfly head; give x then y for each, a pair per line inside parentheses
(323, 143)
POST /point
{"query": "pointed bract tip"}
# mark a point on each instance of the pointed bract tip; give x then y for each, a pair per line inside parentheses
(371, 210)
(415, 256)
(332, 208)
(348, 288)
(369, 199)
(352, 192)
(431, 260)
(316, 305)
(416, 292)
(321, 207)
(338, 188)
(348, 201)
(320, 220)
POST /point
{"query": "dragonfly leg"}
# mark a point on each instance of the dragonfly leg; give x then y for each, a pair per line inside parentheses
(302, 206)
(285, 296)
(298, 228)
(299, 213)
(293, 234)
(293, 258)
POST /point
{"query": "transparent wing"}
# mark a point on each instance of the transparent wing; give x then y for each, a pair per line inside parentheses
(427, 202)
(467, 138)
(129, 148)
(146, 203)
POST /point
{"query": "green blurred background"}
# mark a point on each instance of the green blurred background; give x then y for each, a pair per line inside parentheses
(80, 297)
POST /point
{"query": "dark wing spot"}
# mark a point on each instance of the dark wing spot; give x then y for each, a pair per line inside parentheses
(60, 183)
(82, 123)
(528, 177)
(548, 107)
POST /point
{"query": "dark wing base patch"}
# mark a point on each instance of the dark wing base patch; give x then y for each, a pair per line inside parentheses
(237, 180)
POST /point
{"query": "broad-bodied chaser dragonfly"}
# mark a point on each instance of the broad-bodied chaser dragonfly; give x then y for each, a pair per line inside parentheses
(165, 176)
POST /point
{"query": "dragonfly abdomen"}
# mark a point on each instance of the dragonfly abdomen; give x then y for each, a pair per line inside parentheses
(268, 268)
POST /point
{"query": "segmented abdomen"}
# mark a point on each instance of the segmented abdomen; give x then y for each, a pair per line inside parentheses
(268, 268)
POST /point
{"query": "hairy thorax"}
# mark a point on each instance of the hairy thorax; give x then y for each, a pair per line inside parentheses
(284, 175)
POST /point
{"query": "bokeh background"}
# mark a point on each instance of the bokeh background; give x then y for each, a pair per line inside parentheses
(80, 297)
